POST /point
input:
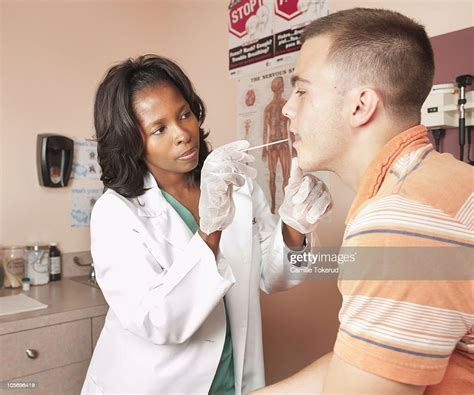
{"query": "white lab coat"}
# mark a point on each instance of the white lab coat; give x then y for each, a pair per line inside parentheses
(165, 327)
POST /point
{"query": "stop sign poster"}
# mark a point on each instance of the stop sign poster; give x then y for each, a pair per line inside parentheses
(250, 25)
(265, 33)
(291, 16)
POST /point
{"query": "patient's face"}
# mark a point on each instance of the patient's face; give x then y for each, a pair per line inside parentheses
(315, 109)
(169, 128)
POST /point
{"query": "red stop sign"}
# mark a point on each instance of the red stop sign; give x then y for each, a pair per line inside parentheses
(239, 13)
(287, 9)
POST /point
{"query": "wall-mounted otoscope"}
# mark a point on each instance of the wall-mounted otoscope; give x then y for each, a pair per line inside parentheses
(450, 106)
(462, 81)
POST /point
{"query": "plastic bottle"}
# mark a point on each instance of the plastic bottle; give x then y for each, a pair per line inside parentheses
(37, 258)
(25, 281)
(55, 262)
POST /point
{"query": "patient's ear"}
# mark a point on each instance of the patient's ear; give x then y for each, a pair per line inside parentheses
(364, 105)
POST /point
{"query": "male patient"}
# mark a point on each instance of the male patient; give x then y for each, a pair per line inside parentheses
(359, 84)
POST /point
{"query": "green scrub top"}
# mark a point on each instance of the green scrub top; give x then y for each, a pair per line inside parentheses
(224, 381)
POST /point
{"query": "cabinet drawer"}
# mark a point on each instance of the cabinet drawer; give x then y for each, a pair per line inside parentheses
(97, 325)
(56, 345)
(66, 380)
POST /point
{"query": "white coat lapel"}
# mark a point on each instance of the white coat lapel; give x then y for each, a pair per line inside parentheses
(162, 219)
(174, 229)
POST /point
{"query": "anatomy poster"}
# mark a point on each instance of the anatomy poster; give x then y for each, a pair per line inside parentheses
(82, 201)
(260, 120)
(84, 164)
(266, 33)
(260, 101)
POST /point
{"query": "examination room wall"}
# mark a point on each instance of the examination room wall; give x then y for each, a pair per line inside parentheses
(54, 53)
(1, 130)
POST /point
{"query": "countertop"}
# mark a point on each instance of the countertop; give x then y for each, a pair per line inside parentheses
(67, 300)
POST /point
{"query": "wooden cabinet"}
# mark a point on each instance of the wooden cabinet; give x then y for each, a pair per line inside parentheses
(49, 347)
(55, 358)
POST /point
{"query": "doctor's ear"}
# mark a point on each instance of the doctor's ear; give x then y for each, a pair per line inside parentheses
(364, 105)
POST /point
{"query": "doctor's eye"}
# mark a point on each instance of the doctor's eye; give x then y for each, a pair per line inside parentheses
(186, 115)
(158, 131)
(299, 92)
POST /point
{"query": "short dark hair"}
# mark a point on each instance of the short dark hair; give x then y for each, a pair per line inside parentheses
(120, 146)
(380, 47)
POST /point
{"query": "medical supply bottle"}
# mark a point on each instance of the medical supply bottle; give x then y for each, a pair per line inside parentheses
(37, 257)
(54, 262)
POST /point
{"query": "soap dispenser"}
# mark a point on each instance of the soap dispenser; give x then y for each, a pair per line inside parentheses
(54, 155)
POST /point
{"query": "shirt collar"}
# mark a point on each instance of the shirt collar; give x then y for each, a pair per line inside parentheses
(149, 181)
(151, 203)
(374, 175)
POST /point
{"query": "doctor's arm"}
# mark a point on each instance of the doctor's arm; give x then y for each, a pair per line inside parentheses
(306, 200)
(274, 239)
(159, 295)
(292, 237)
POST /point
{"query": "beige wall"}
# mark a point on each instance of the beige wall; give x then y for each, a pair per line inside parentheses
(1, 130)
(438, 16)
(53, 53)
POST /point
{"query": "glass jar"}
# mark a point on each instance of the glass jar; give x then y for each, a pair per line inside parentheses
(37, 257)
(13, 266)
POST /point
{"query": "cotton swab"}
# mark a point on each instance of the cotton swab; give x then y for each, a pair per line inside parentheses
(266, 145)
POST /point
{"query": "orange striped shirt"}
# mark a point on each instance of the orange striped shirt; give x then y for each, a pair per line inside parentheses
(411, 331)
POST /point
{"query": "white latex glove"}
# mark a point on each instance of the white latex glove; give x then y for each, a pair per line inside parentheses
(224, 168)
(307, 199)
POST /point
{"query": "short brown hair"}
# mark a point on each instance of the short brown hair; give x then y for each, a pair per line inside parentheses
(380, 47)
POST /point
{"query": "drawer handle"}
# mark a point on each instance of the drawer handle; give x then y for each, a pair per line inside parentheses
(31, 353)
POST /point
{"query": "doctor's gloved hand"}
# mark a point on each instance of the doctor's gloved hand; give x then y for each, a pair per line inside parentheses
(306, 200)
(224, 168)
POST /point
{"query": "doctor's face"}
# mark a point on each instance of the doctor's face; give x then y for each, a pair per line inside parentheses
(169, 128)
(315, 109)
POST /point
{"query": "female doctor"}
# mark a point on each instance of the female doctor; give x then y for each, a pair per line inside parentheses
(182, 244)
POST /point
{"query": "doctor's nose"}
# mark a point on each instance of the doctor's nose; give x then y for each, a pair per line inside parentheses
(182, 136)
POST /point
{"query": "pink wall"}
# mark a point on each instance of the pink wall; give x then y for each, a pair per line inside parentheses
(1, 129)
(53, 55)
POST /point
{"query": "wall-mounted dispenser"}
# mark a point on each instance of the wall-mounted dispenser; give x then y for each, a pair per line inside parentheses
(54, 159)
